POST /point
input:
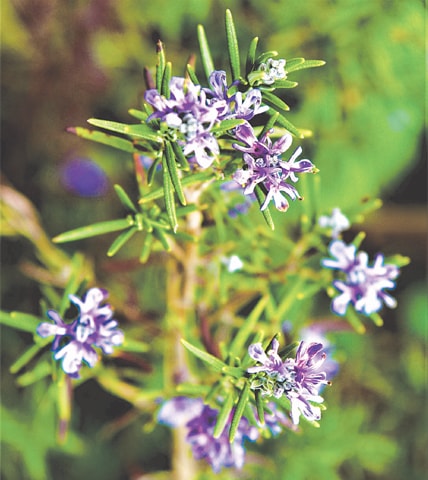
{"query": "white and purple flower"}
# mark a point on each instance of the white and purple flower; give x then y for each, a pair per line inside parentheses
(188, 115)
(273, 70)
(299, 378)
(363, 284)
(265, 167)
(200, 421)
(94, 327)
(231, 103)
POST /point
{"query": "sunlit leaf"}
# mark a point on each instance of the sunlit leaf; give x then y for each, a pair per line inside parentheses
(20, 321)
(251, 54)
(206, 56)
(124, 198)
(120, 241)
(104, 138)
(260, 195)
(160, 67)
(224, 414)
(166, 79)
(138, 130)
(214, 362)
(232, 45)
(305, 64)
(93, 230)
(168, 192)
(275, 102)
(240, 406)
(173, 172)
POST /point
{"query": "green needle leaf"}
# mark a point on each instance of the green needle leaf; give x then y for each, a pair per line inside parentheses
(93, 230)
(259, 406)
(266, 212)
(285, 84)
(251, 55)
(355, 321)
(160, 67)
(159, 233)
(124, 198)
(232, 44)
(138, 114)
(270, 124)
(120, 241)
(28, 355)
(104, 138)
(20, 321)
(190, 180)
(173, 171)
(192, 74)
(182, 160)
(147, 247)
(224, 414)
(226, 125)
(169, 195)
(41, 370)
(293, 63)
(304, 64)
(242, 401)
(275, 102)
(206, 56)
(214, 362)
(139, 130)
(166, 79)
(247, 328)
(283, 122)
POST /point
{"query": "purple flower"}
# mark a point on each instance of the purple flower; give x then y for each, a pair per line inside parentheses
(200, 421)
(233, 105)
(188, 116)
(94, 327)
(270, 361)
(265, 167)
(299, 379)
(363, 284)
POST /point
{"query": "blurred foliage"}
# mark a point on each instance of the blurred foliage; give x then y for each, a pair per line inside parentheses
(63, 62)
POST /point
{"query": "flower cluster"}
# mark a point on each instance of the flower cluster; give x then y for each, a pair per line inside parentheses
(200, 421)
(299, 378)
(264, 166)
(94, 327)
(190, 112)
(363, 285)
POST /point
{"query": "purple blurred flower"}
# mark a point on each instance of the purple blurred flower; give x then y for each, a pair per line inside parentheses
(233, 105)
(363, 284)
(337, 222)
(189, 116)
(264, 166)
(83, 177)
(239, 208)
(299, 379)
(275, 419)
(94, 327)
(200, 421)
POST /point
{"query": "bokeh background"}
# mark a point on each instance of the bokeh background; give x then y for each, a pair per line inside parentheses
(66, 61)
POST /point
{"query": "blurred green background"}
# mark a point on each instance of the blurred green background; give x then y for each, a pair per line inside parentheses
(66, 61)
